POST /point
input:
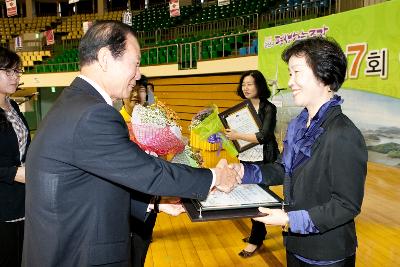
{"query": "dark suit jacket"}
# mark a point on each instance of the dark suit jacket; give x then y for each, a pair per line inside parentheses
(330, 186)
(12, 194)
(266, 135)
(79, 167)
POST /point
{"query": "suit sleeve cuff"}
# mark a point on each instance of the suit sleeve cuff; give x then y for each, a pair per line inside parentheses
(214, 177)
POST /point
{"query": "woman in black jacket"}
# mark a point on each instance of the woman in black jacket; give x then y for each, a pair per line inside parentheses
(253, 86)
(323, 165)
(14, 141)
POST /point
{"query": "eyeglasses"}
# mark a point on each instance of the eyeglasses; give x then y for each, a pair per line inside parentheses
(11, 72)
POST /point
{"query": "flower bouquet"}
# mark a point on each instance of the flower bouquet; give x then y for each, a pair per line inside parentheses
(155, 128)
(188, 157)
(207, 125)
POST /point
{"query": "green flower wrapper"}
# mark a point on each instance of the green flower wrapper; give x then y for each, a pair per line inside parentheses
(213, 125)
(188, 157)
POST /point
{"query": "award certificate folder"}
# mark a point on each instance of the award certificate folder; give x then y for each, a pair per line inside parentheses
(242, 202)
(242, 118)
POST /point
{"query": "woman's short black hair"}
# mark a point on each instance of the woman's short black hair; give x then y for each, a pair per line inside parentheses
(143, 81)
(9, 59)
(263, 91)
(103, 33)
(324, 56)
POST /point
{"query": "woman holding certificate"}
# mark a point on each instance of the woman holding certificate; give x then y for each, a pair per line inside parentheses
(323, 165)
(253, 86)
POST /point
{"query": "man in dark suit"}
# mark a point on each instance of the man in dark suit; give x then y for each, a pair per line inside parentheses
(81, 163)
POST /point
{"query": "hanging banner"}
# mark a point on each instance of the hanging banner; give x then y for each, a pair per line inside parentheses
(174, 10)
(11, 8)
(223, 2)
(49, 37)
(127, 17)
(86, 25)
(371, 45)
(18, 42)
(370, 38)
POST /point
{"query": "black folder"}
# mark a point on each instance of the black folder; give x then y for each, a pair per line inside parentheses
(197, 214)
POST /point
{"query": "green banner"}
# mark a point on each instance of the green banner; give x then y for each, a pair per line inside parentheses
(370, 37)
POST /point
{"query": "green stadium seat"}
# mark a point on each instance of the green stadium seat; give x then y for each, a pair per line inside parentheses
(39, 68)
(63, 67)
(48, 68)
(162, 59)
(214, 54)
(173, 59)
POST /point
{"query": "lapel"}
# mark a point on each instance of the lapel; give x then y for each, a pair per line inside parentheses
(332, 113)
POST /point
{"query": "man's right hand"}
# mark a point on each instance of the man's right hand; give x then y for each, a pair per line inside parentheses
(226, 178)
(239, 168)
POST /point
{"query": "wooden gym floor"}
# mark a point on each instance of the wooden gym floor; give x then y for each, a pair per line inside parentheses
(179, 242)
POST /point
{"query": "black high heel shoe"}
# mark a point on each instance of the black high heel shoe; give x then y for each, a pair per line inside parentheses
(246, 254)
(246, 239)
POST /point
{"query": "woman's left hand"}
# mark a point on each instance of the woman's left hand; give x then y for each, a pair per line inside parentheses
(273, 216)
(20, 176)
(231, 134)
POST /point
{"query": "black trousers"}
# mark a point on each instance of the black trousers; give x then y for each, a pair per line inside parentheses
(258, 229)
(11, 242)
(292, 261)
(258, 233)
(141, 235)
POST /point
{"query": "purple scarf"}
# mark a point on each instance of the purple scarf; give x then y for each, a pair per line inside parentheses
(300, 139)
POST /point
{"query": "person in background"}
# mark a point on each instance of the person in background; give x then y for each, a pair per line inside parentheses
(82, 165)
(137, 96)
(150, 94)
(323, 165)
(142, 229)
(14, 142)
(253, 86)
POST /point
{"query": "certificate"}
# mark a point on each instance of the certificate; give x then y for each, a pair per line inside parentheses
(243, 196)
(242, 202)
(241, 118)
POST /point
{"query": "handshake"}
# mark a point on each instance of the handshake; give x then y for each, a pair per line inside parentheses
(228, 175)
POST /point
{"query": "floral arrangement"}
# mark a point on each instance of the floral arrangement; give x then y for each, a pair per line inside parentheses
(207, 125)
(189, 157)
(200, 116)
(156, 129)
